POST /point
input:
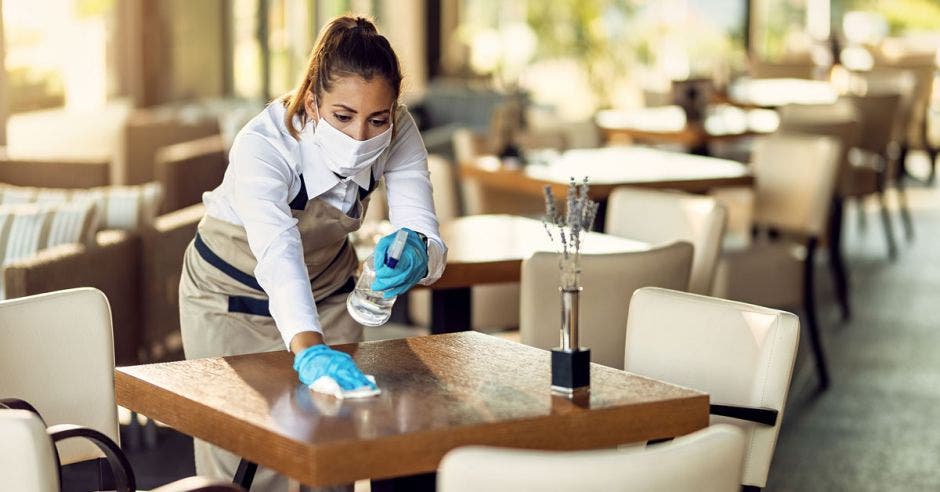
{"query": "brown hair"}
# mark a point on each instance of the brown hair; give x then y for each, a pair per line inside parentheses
(347, 46)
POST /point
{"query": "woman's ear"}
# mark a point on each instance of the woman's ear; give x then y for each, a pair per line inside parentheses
(310, 105)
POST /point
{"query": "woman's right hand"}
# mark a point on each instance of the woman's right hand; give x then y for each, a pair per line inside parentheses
(320, 360)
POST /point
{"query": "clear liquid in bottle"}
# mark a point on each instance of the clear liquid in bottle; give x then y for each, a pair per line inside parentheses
(366, 306)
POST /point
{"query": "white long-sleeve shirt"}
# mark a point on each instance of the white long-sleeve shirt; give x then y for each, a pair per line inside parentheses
(263, 176)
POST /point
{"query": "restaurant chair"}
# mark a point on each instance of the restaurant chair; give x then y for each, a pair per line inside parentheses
(480, 199)
(841, 122)
(742, 355)
(708, 460)
(492, 306)
(57, 352)
(871, 168)
(657, 217)
(795, 178)
(608, 281)
(29, 461)
(904, 84)
(923, 65)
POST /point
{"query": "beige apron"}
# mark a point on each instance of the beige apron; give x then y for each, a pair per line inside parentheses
(223, 310)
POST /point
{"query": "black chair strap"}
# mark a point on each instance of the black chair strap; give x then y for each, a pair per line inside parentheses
(766, 416)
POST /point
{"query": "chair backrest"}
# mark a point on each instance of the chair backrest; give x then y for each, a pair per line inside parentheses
(880, 81)
(444, 184)
(839, 120)
(877, 115)
(708, 460)
(57, 352)
(795, 179)
(188, 169)
(608, 281)
(740, 354)
(658, 217)
(27, 461)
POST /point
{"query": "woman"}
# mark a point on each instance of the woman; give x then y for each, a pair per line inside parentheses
(271, 265)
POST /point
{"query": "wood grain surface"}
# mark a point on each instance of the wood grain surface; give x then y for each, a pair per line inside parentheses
(490, 248)
(438, 392)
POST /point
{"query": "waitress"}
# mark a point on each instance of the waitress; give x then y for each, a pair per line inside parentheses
(271, 264)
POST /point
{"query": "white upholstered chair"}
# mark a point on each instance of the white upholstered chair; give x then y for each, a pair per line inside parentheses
(608, 281)
(69, 383)
(28, 460)
(493, 306)
(705, 461)
(742, 355)
(658, 217)
(795, 179)
(26, 453)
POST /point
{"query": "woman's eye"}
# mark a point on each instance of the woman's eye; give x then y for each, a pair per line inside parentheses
(342, 117)
(379, 122)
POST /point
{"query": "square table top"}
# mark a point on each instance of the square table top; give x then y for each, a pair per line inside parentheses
(438, 392)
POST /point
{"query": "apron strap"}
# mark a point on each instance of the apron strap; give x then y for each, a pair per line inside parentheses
(225, 267)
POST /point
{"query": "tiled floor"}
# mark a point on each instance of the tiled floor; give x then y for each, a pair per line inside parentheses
(874, 429)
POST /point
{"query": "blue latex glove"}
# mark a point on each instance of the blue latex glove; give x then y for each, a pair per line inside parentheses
(411, 267)
(320, 360)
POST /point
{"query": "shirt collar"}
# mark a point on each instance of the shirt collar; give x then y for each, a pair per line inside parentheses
(318, 177)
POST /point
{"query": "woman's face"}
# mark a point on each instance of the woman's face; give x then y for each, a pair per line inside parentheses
(355, 106)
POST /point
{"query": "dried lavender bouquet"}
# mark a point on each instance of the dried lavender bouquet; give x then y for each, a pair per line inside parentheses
(569, 228)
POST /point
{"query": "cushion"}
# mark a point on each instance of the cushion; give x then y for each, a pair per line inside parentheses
(73, 222)
(26, 230)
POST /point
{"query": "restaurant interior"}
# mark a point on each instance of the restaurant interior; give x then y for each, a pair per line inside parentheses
(686, 246)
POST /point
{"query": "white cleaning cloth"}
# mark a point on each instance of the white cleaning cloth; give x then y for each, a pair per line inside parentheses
(329, 386)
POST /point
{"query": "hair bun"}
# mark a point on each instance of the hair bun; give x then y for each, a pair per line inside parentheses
(365, 25)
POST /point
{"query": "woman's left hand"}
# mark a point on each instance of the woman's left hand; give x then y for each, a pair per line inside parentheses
(411, 267)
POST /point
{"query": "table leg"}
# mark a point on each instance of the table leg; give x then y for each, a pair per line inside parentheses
(245, 474)
(450, 310)
(425, 482)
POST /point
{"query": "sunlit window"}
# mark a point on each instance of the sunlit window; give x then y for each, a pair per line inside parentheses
(57, 53)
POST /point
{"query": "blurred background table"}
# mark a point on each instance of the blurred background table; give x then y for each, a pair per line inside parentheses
(669, 125)
(487, 249)
(773, 93)
(606, 169)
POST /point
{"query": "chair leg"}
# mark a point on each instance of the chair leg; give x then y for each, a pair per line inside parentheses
(836, 261)
(905, 211)
(862, 217)
(809, 308)
(886, 221)
(932, 154)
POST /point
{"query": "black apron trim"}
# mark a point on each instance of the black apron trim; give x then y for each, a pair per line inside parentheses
(248, 305)
(260, 307)
(364, 193)
(300, 201)
(224, 266)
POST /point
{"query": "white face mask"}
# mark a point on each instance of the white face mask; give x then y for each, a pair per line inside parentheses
(345, 155)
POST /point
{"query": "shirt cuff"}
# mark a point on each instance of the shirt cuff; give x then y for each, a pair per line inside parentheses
(437, 259)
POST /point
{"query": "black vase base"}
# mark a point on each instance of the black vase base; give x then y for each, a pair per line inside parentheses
(571, 370)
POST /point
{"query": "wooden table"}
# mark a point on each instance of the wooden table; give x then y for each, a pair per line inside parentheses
(438, 392)
(610, 167)
(668, 124)
(485, 249)
(773, 93)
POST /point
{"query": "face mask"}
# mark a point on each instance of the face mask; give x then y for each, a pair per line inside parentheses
(345, 155)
